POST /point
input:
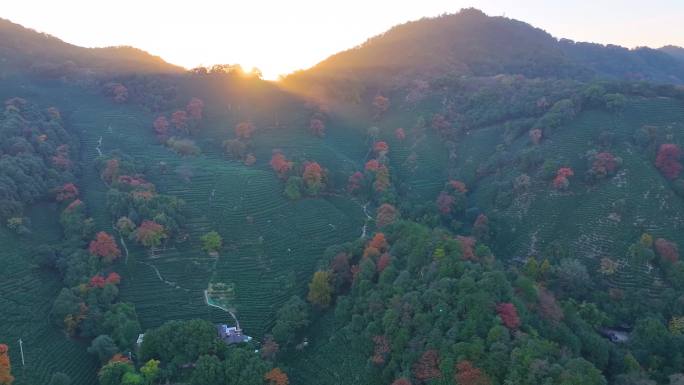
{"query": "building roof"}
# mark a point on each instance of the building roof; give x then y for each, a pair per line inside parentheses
(231, 334)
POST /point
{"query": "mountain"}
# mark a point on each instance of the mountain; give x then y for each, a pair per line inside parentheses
(22, 48)
(471, 43)
(673, 50)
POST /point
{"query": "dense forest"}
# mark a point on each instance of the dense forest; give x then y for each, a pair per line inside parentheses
(461, 200)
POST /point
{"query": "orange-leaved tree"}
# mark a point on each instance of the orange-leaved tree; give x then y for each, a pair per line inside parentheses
(5, 367)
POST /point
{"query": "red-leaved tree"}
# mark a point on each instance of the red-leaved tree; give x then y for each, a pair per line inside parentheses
(355, 182)
(467, 374)
(195, 108)
(386, 214)
(667, 160)
(427, 366)
(161, 128)
(445, 202)
(381, 350)
(467, 247)
(280, 164)
(667, 250)
(244, 130)
(67, 192)
(508, 314)
(400, 134)
(104, 246)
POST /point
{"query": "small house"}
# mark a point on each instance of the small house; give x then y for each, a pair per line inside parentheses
(232, 334)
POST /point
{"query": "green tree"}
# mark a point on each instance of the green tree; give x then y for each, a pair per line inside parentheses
(211, 242)
(208, 370)
(103, 347)
(150, 370)
(291, 317)
(113, 372)
(121, 322)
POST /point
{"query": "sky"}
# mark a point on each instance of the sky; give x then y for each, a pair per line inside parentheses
(280, 36)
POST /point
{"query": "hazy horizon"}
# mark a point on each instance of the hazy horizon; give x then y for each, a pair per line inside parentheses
(277, 38)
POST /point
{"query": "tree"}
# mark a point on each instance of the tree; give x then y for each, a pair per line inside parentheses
(381, 350)
(244, 130)
(291, 317)
(276, 377)
(380, 105)
(67, 192)
(150, 370)
(111, 171)
(401, 381)
(180, 121)
(467, 247)
(384, 261)
(269, 348)
(103, 347)
(113, 372)
(561, 182)
(150, 234)
(161, 128)
(379, 242)
(667, 160)
(400, 134)
(280, 164)
(121, 323)
(313, 177)
(320, 290)
(208, 370)
(195, 108)
(211, 242)
(667, 250)
(386, 214)
(445, 203)
(293, 188)
(467, 374)
(509, 315)
(6, 377)
(427, 366)
(381, 148)
(317, 127)
(355, 182)
(104, 246)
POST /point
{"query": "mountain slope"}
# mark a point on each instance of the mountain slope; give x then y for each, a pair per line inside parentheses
(22, 48)
(472, 43)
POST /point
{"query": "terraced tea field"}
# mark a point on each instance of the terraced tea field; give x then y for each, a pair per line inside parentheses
(26, 296)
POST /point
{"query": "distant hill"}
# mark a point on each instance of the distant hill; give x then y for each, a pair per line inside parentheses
(472, 43)
(22, 48)
(673, 50)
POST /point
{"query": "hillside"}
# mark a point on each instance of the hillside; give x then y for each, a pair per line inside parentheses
(471, 43)
(44, 55)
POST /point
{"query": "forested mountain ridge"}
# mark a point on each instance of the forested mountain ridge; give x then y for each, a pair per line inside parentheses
(24, 49)
(471, 43)
(469, 201)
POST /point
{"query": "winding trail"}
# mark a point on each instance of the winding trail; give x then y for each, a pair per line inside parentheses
(98, 147)
(209, 303)
(364, 229)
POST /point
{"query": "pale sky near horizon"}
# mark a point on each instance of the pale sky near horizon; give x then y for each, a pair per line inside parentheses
(281, 36)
